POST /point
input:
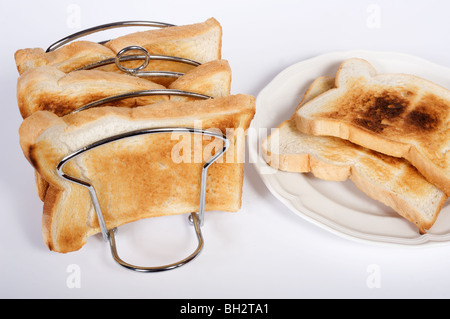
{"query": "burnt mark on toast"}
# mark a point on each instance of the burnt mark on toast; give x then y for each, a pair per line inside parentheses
(387, 107)
(427, 114)
(422, 119)
(62, 106)
(370, 124)
(378, 109)
(398, 109)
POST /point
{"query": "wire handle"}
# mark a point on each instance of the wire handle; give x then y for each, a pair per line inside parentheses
(103, 27)
(141, 93)
(112, 244)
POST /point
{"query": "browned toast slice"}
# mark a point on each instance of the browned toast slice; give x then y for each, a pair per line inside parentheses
(395, 114)
(49, 89)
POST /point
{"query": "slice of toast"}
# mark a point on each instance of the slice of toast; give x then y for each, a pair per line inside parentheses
(68, 58)
(139, 177)
(49, 89)
(392, 181)
(395, 114)
(201, 42)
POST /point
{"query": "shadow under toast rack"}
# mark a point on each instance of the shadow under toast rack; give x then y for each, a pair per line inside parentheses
(195, 218)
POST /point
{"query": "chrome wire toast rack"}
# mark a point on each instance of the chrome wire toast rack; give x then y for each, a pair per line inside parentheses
(195, 218)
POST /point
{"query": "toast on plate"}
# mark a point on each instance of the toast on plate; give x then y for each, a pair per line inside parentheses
(392, 181)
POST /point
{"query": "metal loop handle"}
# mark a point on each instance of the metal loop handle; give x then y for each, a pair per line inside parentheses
(132, 48)
(147, 57)
(197, 226)
(103, 27)
(197, 218)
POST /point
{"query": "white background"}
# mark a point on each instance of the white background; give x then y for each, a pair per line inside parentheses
(263, 251)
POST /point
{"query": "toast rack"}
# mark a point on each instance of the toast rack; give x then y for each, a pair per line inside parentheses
(120, 57)
(195, 218)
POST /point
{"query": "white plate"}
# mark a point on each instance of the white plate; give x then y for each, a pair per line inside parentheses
(339, 206)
